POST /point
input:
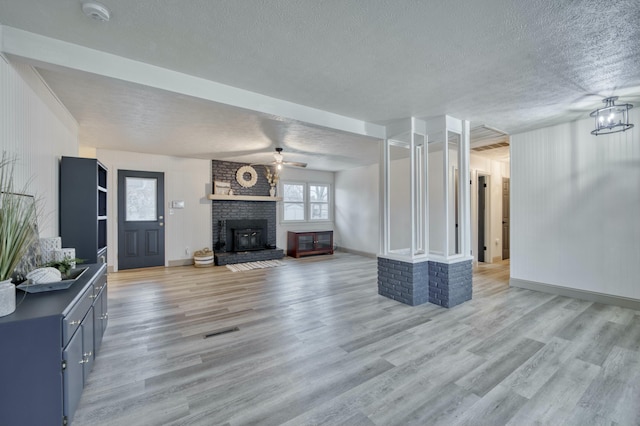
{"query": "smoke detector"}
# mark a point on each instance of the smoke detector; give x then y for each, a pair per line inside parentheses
(96, 11)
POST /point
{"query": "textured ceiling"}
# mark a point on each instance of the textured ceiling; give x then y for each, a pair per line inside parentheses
(129, 117)
(512, 65)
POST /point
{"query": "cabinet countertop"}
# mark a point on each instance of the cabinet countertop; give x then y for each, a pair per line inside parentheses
(51, 303)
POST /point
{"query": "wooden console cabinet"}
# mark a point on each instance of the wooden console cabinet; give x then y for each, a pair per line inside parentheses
(308, 243)
(48, 347)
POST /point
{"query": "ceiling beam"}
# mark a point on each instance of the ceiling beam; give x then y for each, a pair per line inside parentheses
(54, 54)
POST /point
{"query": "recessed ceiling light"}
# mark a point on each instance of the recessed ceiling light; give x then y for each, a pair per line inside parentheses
(96, 11)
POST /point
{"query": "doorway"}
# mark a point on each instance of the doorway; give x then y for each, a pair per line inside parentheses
(482, 217)
(140, 219)
(506, 218)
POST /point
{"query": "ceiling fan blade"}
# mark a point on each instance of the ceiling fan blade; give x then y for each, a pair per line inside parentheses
(294, 164)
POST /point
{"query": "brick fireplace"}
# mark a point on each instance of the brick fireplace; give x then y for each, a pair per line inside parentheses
(245, 218)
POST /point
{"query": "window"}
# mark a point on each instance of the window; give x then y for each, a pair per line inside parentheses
(306, 202)
(293, 201)
(319, 202)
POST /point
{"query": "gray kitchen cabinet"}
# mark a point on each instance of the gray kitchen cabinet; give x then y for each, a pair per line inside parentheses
(49, 345)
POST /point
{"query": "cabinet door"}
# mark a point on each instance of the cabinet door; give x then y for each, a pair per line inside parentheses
(305, 242)
(323, 240)
(100, 318)
(73, 374)
(87, 345)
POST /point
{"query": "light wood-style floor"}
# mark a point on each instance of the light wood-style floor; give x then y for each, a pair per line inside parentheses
(317, 345)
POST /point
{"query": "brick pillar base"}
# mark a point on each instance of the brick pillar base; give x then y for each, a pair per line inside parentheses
(403, 281)
(450, 283)
(444, 284)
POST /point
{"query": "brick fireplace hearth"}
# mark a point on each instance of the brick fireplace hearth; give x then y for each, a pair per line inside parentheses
(252, 212)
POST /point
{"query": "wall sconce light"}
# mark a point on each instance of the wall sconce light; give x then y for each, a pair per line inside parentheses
(611, 118)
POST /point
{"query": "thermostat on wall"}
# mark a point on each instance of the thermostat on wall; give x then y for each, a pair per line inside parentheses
(177, 204)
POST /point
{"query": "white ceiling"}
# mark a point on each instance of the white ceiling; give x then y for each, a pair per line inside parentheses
(512, 65)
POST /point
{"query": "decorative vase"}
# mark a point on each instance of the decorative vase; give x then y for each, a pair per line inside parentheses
(7, 297)
(272, 191)
(47, 247)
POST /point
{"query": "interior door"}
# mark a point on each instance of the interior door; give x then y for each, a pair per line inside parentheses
(505, 218)
(482, 198)
(140, 219)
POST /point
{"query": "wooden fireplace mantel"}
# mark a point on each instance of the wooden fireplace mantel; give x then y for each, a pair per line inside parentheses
(242, 197)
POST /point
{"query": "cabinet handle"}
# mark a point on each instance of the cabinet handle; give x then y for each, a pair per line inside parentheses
(87, 354)
(98, 289)
(92, 296)
(74, 323)
(83, 361)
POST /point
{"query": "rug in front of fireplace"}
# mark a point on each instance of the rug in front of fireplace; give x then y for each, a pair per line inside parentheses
(236, 267)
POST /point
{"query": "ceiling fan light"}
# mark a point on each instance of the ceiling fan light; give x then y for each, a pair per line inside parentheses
(278, 157)
(611, 118)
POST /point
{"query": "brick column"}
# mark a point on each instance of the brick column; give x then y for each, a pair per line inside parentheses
(444, 284)
(403, 281)
(450, 283)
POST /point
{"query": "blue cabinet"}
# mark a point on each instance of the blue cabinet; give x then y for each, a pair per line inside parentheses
(48, 347)
(83, 207)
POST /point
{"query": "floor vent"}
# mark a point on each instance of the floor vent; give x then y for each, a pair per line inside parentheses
(221, 331)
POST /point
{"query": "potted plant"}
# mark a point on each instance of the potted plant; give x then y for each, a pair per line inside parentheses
(65, 266)
(17, 231)
(272, 178)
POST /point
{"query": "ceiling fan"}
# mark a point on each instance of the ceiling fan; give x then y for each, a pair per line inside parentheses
(279, 160)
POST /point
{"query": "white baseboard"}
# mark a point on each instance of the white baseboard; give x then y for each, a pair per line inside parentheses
(358, 252)
(180, 262)
(591, 296)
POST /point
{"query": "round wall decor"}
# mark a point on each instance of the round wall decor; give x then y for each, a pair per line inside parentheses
(242, 180)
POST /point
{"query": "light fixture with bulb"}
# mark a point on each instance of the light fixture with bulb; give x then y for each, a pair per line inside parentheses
(277, 156)
(611, 118)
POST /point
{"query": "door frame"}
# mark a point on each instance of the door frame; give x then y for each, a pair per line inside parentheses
(474, 216)
(116, 213)
(502, 216)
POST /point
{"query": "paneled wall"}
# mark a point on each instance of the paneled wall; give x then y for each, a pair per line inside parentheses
(38, 130)
(575, 208)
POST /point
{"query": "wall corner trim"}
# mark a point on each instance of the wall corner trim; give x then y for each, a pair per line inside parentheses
(591, 296)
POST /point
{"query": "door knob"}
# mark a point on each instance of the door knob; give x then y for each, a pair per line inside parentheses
(161, 224)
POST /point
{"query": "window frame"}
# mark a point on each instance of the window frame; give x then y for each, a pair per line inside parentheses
(311, 203)
(285, 202)
(307, 201)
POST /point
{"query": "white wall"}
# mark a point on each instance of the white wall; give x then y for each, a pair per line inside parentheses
(291, 174)
(575, 208)
(184, 179)
(496, 170)
(357, 212)
(38, 130)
